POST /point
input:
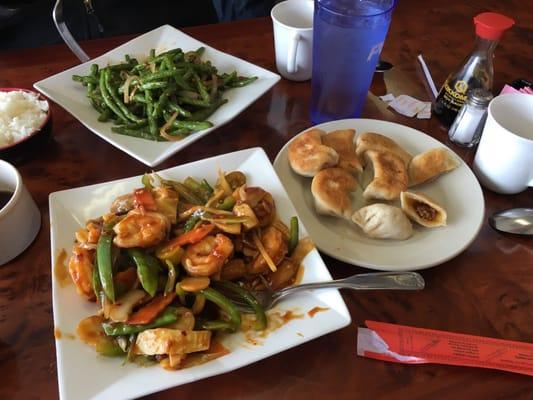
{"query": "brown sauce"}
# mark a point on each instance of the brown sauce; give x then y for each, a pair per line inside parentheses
(61, 270)
(275, 320)
(216, 350)
(59, 335)
(312, 312)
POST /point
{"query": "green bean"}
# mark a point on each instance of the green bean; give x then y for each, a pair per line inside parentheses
(240, 82)
(108, 99)
(225, 305)
(293, 234)
(152, 123)
(138, 133)
(192, 125)
(154, 85)
(180, 110)
(168, 316)
(105, 265)
(261, 319)
(104, 115)
(205, 113)
(112, 91)
(147, 269)
(201, 89)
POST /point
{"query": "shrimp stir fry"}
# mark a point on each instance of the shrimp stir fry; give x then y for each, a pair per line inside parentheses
(160, 264)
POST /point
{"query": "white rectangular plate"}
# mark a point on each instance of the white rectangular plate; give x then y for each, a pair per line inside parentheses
(72, 95)
(69, 209)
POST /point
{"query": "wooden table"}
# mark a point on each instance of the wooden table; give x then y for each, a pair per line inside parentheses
(487, 290)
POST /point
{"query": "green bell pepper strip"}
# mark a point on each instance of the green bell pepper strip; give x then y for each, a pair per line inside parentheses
(109, 348)
(261, 319)
(104, 261)
(225, 305)
(217, 325)
(191, 222)
(293, 234)
(147, 270)
(167, 317)
(227, 204)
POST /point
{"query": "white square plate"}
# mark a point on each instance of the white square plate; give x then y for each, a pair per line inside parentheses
(69, 209)
(72, 95)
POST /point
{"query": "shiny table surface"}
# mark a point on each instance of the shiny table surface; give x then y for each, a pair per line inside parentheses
(487, 290)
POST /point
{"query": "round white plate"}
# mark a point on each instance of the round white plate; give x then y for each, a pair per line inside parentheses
(457, 191)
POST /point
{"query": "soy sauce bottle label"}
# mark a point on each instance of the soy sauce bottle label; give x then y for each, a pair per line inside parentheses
(451, 98)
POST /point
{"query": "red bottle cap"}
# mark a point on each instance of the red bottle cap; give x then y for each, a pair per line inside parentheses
(490, 25)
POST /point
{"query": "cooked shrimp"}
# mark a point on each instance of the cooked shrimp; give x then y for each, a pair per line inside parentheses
(80, 267)
(141, 229)
(276, 247)
(261, 202)
(123, 204)
(207, 257)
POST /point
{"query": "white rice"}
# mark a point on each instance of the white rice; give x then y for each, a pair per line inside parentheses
(21, 113)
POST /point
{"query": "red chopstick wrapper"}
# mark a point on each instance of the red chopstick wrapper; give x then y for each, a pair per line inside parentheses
(410, 345)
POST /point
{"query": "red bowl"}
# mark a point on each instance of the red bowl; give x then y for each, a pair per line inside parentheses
(29, 145)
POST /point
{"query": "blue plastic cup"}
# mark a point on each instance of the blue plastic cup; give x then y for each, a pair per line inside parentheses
(348, 36)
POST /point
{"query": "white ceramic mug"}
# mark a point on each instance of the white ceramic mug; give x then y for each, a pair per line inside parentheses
(504, 157)
(293, 38)
(20, 218)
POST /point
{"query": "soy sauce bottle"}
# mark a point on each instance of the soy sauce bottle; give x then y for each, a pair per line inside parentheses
(476, 70)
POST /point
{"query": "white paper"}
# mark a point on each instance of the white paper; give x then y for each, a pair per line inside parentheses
(368, 340)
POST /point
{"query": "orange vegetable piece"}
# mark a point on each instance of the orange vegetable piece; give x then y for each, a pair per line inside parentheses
(191, 237)
(150, 311)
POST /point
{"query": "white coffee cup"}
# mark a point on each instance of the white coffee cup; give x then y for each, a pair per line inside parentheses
(20, 218)
(293, 38)
(504, 158)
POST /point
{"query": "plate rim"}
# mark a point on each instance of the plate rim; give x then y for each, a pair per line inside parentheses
(280, 157)
(270, 79)
(342, 311)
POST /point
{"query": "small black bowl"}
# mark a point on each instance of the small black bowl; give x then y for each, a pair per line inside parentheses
(27, 147)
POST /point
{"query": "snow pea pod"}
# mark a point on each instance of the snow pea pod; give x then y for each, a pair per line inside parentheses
(104, 262)
(147, 269)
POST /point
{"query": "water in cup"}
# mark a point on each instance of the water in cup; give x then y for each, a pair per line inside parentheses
(347, 40)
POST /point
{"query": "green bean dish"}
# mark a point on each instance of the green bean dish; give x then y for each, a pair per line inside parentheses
(165, 262)
(164, 98)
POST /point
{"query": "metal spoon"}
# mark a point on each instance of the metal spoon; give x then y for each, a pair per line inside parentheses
(514, 220)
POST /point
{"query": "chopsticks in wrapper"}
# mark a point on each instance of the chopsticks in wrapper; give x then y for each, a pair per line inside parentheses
(409, 345)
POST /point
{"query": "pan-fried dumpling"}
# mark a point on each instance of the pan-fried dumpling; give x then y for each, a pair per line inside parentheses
(390, 176)
(382, 221)
(430, 164)
(307, 155)
(422, 209)
(342, 142)
(375, 141)
(331, 189)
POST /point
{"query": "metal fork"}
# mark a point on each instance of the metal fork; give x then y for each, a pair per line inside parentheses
(370, 281)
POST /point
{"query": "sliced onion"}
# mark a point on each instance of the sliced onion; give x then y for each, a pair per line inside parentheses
(168, 124)
(263, 252)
